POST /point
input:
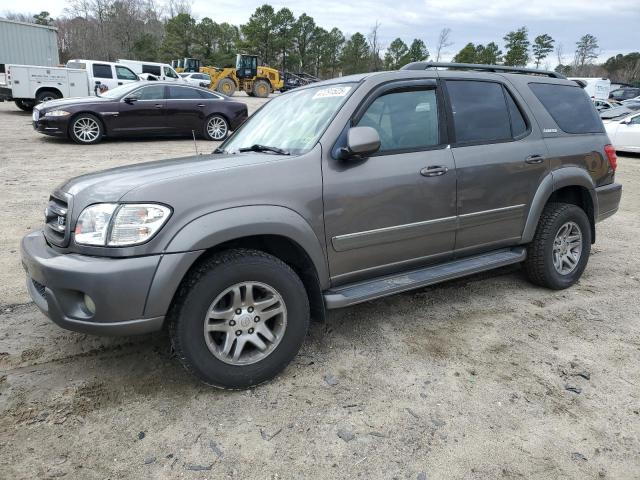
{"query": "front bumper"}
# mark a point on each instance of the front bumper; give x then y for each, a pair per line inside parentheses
(118, 287)
(608, 200)
(55, 126)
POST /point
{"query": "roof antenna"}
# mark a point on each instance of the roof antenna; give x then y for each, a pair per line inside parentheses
(194, 141)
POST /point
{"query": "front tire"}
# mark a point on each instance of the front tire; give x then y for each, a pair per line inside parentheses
(216, 128)
(86, 129)
(261, 88)
(239, 318)
(46, 96)
(559, 252)
(25, 105)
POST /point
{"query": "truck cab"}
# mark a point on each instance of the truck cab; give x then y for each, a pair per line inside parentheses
(104, 74)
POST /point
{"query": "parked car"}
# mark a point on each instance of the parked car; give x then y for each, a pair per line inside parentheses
(162, 71)
(330, 195)
(625, 132)
(605, 104)
(624, 93)
(618, 112)
(159, 108)
(106, 74)
(197, 79)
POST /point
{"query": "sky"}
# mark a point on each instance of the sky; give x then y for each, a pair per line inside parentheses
(616, 23)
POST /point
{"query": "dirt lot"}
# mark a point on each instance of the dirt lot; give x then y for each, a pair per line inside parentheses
(485, 377)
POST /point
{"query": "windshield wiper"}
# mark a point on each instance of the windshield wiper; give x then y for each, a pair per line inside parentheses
(263, 148)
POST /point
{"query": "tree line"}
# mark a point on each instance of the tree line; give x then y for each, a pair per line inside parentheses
(153, 31)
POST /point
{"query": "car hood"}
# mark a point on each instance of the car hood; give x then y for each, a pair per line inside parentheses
(111, 185)
(66, 102)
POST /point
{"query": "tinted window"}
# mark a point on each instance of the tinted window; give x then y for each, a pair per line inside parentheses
(635, 120)
(404, 120)
(209, 95)
(102, 71)
(152, 69)
(155, 92)
(569, 106)
(123, 73)
(480, 112)
(518, 124)
(182, 93)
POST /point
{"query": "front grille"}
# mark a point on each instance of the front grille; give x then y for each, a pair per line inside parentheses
(40, 288)
(56, 220)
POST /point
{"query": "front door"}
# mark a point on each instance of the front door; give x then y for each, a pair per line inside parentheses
(144, 115)
(500, 160)
(628, 134)
(396, 208)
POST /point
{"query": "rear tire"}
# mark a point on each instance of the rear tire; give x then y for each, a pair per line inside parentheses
(226, 86)
(211, 308)
(216, 128)
(261, 88)
(46, 95)
(86, 129)
(560, 249)
(26, 105)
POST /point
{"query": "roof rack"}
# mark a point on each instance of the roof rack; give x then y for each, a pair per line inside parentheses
(482, 68)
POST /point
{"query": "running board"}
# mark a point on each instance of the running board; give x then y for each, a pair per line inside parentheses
(381, 287)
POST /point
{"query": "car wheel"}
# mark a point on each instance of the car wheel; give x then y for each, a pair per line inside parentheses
(239, 318)
(25, 105)
(261, 88)
(226, 86)
(216, 128)
(86, 129)
(560, 249)
(45, 96)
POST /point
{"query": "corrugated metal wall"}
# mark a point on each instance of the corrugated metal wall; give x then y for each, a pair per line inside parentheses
(27, 44)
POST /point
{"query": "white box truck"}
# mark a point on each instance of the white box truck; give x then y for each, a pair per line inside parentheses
(595, 87)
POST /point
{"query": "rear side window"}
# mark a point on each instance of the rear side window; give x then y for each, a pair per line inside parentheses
(569, 106)
(404, 120)
(182, 93)
(518, 124)
(155, 92)
(102, 71)
(480, 112)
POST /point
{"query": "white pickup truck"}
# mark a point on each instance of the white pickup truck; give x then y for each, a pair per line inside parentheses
(28, 85)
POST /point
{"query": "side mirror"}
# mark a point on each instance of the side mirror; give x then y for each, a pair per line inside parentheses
(130, 100)
(361, 141)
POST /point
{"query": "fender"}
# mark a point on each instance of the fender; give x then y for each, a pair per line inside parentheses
(555, 180)
(224, 225)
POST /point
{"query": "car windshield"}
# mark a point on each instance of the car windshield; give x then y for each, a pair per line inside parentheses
(120, 91)
(291, 123)
(615, 112)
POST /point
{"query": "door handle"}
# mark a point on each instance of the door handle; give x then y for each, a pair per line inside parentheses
(119, 83)
(200, 105)
(159, 105)
(433, 171)
(534, 159)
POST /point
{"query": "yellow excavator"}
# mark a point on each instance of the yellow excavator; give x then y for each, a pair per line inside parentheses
(247, 76)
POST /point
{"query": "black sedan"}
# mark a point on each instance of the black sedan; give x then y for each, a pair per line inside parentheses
(134, 110)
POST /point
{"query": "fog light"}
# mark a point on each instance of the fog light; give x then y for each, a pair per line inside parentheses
(88, 302)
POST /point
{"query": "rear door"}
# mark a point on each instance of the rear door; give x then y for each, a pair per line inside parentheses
(397, 207)
(500, 160)
(185, 109)
(146, 115)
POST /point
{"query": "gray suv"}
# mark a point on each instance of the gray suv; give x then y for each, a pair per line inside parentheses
(330, 195)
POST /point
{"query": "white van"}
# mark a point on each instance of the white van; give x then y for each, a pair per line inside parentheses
(162, 71)
(595, 87)
(106, 74)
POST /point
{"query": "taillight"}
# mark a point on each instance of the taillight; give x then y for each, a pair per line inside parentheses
(611, 155)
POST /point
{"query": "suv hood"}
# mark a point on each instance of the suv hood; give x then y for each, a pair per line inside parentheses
(111, 185)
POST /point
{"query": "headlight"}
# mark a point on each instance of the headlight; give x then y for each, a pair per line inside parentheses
(57, 113)
(118, 225)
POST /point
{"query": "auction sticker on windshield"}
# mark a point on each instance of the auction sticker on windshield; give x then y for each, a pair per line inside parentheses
(331, 92)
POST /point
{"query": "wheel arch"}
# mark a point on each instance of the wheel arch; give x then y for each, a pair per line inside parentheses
(48, 89)
(569, 185)
(278, 231)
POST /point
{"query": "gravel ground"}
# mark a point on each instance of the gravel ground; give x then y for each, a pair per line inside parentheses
(484, 377)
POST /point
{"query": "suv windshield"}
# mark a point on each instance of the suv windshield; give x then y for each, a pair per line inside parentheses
(292, 122)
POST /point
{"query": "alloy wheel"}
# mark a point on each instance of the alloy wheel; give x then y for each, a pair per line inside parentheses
(86, 129)
(217, 128)
(245, 323)
(567, 248)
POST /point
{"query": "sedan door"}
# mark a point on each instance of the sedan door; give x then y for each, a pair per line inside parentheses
(185, 109)
(141, 112)
(398, 207)
(628, 134)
